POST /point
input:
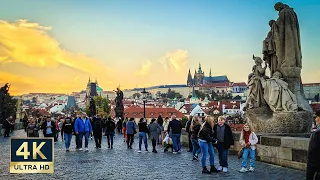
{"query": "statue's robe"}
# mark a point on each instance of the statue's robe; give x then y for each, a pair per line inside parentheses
(278, 96)
(269, 50)
(286, 33)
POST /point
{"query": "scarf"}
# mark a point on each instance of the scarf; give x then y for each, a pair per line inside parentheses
(246, 135)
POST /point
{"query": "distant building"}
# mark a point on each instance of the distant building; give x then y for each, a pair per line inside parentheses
(311, 90)
(71, 102)
(199, 78)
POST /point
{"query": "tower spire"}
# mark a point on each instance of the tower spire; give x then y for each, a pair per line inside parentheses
(210, 73)
(89, 79)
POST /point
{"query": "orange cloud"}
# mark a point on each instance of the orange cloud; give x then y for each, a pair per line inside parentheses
(145, 69)
(29, 43)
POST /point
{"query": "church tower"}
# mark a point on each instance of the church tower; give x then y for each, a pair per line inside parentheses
(198, 76)
(190, 80)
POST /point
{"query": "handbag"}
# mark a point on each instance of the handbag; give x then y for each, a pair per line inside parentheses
(240, 153)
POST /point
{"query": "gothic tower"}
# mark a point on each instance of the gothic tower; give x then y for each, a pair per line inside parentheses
(198, 76)
(190, 80)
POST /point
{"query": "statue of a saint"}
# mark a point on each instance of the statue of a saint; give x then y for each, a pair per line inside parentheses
(286, 34)
(119, 97)
(269, 50)
(255, 94)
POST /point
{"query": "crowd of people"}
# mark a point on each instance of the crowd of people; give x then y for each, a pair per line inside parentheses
(204, 135)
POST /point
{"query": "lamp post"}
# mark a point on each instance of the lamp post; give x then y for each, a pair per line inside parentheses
(144, 97)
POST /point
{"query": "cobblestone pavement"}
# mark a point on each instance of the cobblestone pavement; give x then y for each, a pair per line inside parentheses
(120, 163)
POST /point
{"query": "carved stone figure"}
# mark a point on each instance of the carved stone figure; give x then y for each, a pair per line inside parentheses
(255, 93)
(285, 109)
(269, 50)
(119, 109)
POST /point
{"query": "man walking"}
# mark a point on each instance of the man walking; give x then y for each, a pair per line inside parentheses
(97, 127)
(174, 128)
(188, 124)
(83, 127)
(313, 161)
(48, 127)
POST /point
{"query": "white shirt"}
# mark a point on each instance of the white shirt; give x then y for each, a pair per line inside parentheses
(48, 130)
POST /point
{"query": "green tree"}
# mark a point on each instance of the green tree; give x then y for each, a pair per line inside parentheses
(200, 94)
(103, 106)
(136, 95)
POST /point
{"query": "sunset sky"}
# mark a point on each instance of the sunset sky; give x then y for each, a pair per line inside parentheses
(55, 45)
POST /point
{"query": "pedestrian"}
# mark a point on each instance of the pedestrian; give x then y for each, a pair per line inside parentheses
(188, 124)
(154, 129)
(174, 128)
(48, 127)
(224, 135)
(83, 127)
(111, 126)
(60, 127)
(33, 129)
(67, 129)
(130, 131)
(124, 129)
(97, 127)
(206, 140)
(248, 140)
(195, 128)
(7, 126)
(160, 122)
(56, 133)
(74, 131)
(313, 160)
(143, 131)
(119, 125)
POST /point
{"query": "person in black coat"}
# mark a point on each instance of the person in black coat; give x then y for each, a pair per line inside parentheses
(111, 126)
(48, 127)
(313, 160)
(77, 135)
(67, 128)
(97, 128)
(7, 126)
(224, 135)
(188, 124)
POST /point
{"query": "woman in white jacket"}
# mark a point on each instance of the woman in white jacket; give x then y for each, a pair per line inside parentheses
(248, 141)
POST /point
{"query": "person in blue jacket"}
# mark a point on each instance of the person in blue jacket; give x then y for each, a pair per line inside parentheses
(83, 127)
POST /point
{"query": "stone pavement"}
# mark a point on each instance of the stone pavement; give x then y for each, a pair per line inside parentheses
(120, 163)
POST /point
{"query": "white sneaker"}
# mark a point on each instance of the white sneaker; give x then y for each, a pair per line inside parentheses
(87, 149)
(251, 169)
(225, 169)
(139, 151)
(219, 168)
(175, 152)
(80, 149)
(243, 169)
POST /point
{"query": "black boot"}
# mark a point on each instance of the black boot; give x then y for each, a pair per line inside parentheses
(205, 171)
(213, 169)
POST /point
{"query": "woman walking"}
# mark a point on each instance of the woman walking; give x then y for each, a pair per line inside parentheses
(205, 141)
(154, 129)
(195, 128)
(248, 141)
(67, 128)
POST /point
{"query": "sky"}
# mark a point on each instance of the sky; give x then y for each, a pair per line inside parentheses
(55, 46)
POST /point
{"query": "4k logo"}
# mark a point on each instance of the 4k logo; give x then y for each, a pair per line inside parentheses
(32, 155)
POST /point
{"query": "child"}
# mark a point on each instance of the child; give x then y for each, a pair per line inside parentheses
(248, 140)
(224, 135)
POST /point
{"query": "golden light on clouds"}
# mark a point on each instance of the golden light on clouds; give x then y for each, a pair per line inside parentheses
(176, 60)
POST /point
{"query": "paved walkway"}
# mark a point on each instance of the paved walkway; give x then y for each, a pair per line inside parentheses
(120, 163)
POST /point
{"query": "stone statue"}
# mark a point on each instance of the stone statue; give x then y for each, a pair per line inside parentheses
(3, 93)
(277, 104)
(92, 107)
(269, 51)
(119, 109)
(277, 95)
(255, 93)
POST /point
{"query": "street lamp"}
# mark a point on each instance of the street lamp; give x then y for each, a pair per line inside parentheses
(144, 97)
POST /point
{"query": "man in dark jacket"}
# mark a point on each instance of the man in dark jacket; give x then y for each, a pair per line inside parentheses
(224, 135)
(7, 126)
(174, 128)
(313, 162)
(48, 127)
(188, 124)
(111, 126)
(97, 127)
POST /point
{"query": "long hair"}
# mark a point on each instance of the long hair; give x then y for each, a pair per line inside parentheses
(208, 120)
(195, 120)
(246, 124)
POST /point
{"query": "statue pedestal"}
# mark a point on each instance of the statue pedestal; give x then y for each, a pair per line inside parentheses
(263, 120)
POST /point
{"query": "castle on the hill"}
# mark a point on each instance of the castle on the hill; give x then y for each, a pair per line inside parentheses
(200, 79)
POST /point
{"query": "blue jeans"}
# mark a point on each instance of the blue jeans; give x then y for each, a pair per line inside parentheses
(176, 142)
(196, 148)
(143, 135)
(110, 136)
(205, 149)
(86, 139)
(223, 155)
(246, 152)
(67, 138)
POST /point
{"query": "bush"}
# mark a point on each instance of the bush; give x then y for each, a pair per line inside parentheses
(184, 121)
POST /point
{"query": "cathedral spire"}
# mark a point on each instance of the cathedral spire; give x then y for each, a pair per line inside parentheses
(89, 80)
(210, 73)
(189, 80)
(199, 69)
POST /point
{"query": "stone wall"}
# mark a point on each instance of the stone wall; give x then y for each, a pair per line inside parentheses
(287, 151)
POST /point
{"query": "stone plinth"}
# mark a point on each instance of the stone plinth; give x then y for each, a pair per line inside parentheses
(263, 120)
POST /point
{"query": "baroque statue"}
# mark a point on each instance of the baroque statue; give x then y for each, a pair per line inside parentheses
(119, 109)
(277, 104)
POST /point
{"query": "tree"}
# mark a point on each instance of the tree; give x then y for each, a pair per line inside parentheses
(200, 94)
(8, 105)
(237, 97)
(103, 106)
(136, 95)
(190, 96)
